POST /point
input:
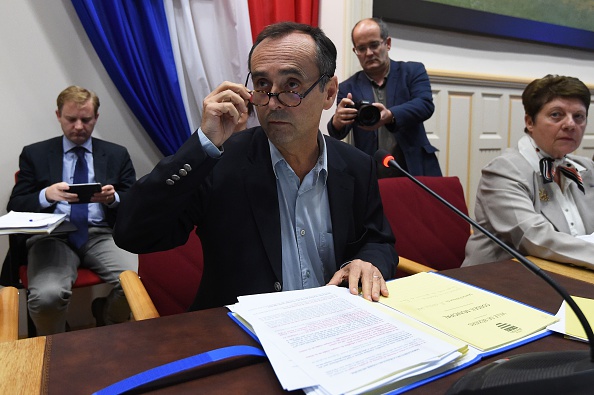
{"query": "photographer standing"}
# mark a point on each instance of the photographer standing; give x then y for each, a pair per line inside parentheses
(402, 101)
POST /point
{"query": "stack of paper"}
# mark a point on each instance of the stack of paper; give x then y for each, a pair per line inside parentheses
(32, 223)
(327, 341)
(482, 319)
(569, 324)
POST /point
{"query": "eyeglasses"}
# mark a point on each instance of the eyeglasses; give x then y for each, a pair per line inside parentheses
(286, 98)
(362, 49)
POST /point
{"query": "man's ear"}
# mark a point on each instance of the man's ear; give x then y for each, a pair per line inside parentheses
(331, 92)
(529, 123)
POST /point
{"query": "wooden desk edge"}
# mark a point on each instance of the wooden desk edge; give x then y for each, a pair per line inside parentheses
(567, 270)
(23, 365)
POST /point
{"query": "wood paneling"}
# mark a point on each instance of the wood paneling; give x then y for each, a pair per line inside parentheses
(476, 118)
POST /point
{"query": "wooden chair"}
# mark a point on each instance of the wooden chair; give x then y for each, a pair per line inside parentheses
(140, 302)
(429, 236)
(167, 281)
(9, 314)
(85, 277)
(14, 270)
(18, 261)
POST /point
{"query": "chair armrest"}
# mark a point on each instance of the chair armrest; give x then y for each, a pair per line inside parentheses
(411, 267)
(564, 269)
(139, 300)
(9, 314)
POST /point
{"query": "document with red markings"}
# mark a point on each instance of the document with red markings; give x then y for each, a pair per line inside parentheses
(327, 341)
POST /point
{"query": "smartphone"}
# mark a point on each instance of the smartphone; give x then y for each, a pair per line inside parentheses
(84, 191)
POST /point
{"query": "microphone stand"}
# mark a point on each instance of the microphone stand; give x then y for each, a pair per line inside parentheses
(537, 363)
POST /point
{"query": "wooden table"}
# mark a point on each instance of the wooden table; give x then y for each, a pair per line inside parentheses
(565, 269)
(85, 361)
(513, 280)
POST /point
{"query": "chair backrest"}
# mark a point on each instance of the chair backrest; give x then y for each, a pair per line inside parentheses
(426, 230)
(172, 277)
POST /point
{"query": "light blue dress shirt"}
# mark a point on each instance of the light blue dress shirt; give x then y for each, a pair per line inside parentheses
(96, 215)
(306, 227)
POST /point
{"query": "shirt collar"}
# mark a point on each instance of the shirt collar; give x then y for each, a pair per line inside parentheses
(373, 83)
(67, 145)
(533, 154)
(321, 167)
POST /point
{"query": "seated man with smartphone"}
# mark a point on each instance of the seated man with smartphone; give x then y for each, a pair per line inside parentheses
(86, 179)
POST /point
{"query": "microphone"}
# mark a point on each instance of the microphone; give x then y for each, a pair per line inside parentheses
(567, 372)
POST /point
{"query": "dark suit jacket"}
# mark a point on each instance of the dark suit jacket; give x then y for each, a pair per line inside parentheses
(40, 165)
(234, 204)
(409, 97)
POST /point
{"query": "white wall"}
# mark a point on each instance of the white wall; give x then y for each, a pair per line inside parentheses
(337, 18)
(44, 48)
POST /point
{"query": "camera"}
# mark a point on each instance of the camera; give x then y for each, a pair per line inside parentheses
(367, 114)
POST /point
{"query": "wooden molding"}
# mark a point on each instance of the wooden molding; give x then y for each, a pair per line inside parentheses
(478, 79)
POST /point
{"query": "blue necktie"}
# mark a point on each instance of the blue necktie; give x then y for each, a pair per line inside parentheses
(79, 213)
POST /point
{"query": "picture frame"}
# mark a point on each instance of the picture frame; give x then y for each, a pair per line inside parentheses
(458, 19)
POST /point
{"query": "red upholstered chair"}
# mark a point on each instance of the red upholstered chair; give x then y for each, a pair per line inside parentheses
(17, 262)
(171, 278)
(18, 258)
(86, 278)
(427, 232)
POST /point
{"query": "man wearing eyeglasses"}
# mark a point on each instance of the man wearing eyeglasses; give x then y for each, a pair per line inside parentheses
(277, 207)
(402, 93)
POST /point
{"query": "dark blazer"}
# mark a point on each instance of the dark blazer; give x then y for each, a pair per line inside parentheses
(233, 203)
(40, 165)
(409, 98)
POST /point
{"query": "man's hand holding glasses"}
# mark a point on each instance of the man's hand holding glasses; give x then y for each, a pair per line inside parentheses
(222, 110)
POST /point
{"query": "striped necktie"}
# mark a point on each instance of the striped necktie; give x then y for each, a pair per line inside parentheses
(548, 169)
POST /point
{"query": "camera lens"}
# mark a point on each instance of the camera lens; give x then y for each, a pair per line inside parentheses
(368, 115)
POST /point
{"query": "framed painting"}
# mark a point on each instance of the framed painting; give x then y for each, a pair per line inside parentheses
(462, 19)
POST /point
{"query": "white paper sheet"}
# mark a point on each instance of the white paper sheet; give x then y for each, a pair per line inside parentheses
(337, 340)
(22, 222)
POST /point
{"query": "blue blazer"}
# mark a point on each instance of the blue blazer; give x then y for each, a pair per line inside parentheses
(409, 97)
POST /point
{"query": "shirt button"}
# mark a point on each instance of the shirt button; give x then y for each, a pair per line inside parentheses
(302, 232)
(278, 287)
(307, 274)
